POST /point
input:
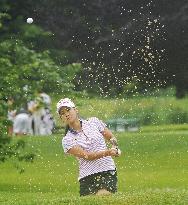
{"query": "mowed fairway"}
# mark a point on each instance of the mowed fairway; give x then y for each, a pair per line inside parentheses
(153, 169)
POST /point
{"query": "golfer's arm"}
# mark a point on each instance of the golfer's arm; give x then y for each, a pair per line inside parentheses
(108, 135)
(80, 153)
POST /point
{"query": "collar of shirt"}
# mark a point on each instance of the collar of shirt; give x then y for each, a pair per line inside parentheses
(74, 131)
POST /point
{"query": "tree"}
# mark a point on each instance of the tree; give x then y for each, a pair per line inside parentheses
(7, 149)
(23, 70)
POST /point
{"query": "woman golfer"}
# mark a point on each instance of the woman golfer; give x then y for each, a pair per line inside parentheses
(85, 139)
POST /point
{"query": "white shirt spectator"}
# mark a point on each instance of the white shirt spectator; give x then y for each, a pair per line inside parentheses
(46, 99)
(22, 124)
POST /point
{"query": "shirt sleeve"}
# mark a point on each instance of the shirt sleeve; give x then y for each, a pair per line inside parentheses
(98, 123)
(68, 142)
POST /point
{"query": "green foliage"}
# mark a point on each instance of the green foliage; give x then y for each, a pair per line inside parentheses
(26, 66)
(31, 32)
(2, 17)
(24, 70)
(177, 116)
(68, 74)
(7, 149)
(4, 7)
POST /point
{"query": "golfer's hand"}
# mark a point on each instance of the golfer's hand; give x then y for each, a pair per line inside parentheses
(114, 152)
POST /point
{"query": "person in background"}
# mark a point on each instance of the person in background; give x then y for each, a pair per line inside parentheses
(22, 123)
(48, 120)
(85, 139)
(46, 99)
(36, 108)
(41, 117)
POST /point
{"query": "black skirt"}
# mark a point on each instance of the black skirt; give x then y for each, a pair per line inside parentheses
(102, 180)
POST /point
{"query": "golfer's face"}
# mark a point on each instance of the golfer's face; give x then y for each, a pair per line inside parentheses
(68, 115)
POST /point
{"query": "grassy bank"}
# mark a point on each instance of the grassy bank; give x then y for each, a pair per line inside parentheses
(149, 110)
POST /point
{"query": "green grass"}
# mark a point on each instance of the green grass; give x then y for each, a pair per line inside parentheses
(153, 169)
(149, 197)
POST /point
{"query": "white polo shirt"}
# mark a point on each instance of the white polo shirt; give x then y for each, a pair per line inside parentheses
(91, 140)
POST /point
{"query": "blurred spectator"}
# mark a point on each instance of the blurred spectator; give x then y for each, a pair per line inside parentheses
(22, 123)
(36, 108)
(42, 119)
(46, 99)
(48, 122)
